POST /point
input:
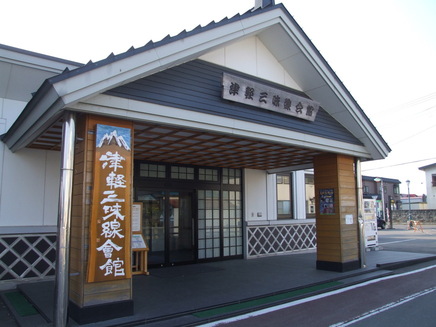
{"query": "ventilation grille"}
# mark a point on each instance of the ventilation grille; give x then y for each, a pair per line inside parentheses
(27, 256)
(267, 240)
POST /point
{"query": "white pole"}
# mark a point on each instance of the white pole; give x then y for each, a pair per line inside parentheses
(360, 213)
(64, 221)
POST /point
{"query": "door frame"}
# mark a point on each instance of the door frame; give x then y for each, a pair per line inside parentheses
(167, 223)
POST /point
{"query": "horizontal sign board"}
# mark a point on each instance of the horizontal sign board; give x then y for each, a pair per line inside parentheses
(264, 96)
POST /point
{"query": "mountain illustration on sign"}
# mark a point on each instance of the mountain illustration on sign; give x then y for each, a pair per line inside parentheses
(113, 138)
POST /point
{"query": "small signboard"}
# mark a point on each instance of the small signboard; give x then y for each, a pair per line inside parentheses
(138, 242)
(370, 223)
(136, 217)
(327, 201)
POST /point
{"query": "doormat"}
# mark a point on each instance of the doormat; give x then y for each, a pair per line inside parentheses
(20, 304)
(263, 301)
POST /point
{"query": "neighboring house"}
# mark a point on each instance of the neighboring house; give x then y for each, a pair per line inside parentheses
(206, 134)
(430, 181)
(391, 198)
(413, 202)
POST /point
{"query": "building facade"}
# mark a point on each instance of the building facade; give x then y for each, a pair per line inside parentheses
(386, 192)
(195, 148)
(430, 182)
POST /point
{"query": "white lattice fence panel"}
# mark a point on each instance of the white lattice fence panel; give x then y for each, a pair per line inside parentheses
(27, 256)
(264, 240)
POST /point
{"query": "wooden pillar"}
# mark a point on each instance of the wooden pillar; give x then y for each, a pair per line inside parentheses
(92, 301)
(336, 214)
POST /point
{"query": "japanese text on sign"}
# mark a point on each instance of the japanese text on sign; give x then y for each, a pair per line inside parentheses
(110, 229)
(241, 90)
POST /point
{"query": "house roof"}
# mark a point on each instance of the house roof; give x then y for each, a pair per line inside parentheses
(385, 180)
(427, 167)
(273, 25)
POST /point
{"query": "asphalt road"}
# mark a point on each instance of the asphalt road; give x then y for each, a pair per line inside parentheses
(403, 240)
(400, 301)
(405, 299)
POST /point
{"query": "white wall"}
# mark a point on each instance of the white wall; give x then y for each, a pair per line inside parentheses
(299, 194)
(255, 195)
(29, 187)
(431, 191)
(29, 179)
(9, 112)
(262, 64)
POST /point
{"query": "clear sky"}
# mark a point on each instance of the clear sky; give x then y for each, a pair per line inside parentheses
(383, 51)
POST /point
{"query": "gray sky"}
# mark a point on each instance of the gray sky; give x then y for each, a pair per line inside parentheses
(383, 51)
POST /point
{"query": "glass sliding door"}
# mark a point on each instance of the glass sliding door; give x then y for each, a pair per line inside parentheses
(153, 224)
(181, 240)
(168, 226)
(190, 214)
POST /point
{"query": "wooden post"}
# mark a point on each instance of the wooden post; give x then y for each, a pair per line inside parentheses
(336, 214)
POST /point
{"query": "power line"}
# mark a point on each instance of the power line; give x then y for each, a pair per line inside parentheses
(400, 164)
(413, 135)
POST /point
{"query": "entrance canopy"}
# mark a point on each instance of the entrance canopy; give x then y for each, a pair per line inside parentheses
(165, 143)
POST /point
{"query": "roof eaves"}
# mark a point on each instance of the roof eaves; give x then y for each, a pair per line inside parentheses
(44, 106)
(427, 166)
(383, 148)
(151, 44)
(384, 179)
(39, 55)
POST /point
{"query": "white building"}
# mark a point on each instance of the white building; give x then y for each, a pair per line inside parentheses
(219, 125)
(430, 182)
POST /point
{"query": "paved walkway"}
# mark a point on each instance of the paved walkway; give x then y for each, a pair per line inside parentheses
(183, 295)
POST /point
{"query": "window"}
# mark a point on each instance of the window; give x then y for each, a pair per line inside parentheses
(310, 195)
(433, 180)
(152, 170)
(232, 223)
(231, 176)
(284, 208)
(182, 172)
(210, 175)
(396, 189)
(209, 224)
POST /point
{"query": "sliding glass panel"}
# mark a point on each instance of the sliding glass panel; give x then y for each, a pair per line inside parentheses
(208, 224)
(232, 223)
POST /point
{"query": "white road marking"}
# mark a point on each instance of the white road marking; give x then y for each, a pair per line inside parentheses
(311, 298)
(397, 241)
(384, 308)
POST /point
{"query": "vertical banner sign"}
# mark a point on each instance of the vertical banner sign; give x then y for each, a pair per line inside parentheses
(110, 229)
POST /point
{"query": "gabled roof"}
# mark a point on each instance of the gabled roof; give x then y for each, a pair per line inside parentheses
(273, 25)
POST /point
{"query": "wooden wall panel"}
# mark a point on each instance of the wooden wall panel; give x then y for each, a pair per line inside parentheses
(337, 241)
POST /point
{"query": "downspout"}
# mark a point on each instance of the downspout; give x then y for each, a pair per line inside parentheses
(359, 195)
(64, 221)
